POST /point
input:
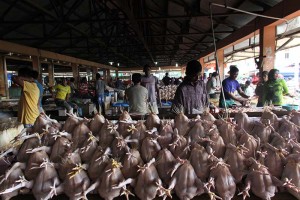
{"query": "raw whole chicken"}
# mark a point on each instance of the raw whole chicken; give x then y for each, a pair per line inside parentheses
(131, 162)
(96, 123)
(112, 176)
(68, 162)
(185, 181)
(8, 181)
(164, 164)
(274, 160)
(259, 181)
(182, 124)
(98, 163)
(46, 181)
(208, 116)
(179, 146)
(217, 144)
(269, 117)
(80, 135)
(196, 132)
(125, 122)
(292, 172)
(249, 142)
(165, 134)
(32, 142)
(235, 158)
(107, 134)
(149, 149)
(59, 148)
(227, 132)
(200, 162)
(295, 117)
(152, 121)
(147, 184)
(243, 121)
(71, 123)
(288, 129)
(222, 179)
(262, 131)
(89, 147)
(137, 132)
(33, 163)
(75, 183)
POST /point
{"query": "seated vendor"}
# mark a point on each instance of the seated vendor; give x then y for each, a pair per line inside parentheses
(230, 85)
(63, 92)
(137, 96)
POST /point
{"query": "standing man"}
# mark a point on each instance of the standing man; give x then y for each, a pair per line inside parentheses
(151, 83)
(191, 94)
(35, 76)
(28, 105)
(137, 96)
(230, 85)
(166, 79)
(213, 85)
(100, 88)
(63, 92)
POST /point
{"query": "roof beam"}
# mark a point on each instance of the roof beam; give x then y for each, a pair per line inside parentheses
(124, 7)
(76, 21)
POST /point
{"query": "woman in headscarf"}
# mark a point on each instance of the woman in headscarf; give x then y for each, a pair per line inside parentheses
(274, 89)
(259, 90)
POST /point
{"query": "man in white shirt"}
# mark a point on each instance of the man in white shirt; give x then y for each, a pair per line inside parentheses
(151, 83)
(137, 96)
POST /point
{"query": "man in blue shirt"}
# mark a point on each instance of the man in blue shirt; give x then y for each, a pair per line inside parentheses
(230, 85)
(35, 76)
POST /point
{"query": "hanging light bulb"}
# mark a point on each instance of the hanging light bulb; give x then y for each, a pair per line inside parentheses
(155, 63)
(176, 64)
(118, 64)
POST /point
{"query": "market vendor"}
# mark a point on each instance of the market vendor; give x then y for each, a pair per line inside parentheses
(28, 105)
(191, 94)
(63, 92)
(100, 86)
(151, 83)
(35, 75)
(274, 89)
(230, 86)
(137, 96)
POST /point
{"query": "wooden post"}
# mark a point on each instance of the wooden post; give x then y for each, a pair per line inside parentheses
(269, 47)
(36, 65)
(75, 71)
(94, 72)
(220, 55)
(201, 60)
(51, 74)
(3, 78)
(108, 75)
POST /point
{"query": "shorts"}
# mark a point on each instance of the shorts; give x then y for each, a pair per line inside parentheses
(28, 125)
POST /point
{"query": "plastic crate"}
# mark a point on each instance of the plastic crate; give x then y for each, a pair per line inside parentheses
(120, 104)
(168, 103)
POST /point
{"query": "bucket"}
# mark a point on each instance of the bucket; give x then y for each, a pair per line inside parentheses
(290, 107)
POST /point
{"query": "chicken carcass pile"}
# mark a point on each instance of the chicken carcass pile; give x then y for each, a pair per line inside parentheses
(167, 92)
(182, 157)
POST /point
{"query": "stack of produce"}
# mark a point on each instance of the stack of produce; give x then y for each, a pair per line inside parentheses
(182, 157)
(167, 92)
